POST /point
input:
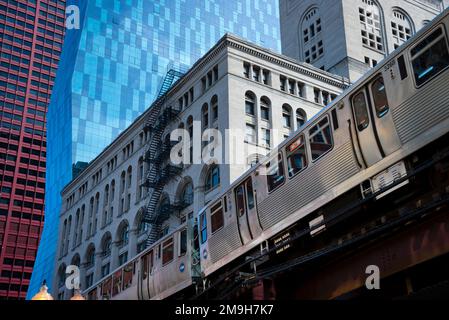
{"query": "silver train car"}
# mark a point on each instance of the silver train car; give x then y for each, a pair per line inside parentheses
(169, 266)
(361, 140)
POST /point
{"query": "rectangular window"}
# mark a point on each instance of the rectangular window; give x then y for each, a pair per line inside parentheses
(256, 74)
(360, 107)
(266, 77)
(167, 251)
(216, 217)
(265, 113)
(430, 57)
(249, 108)
(250, 194)
(203, 227)
(296, 157)
(283, 83)
(380, 97)
(240, 200)
(183, 242)
(246, 69)
(266, 138)
(275, 173)
(250, 133)
(320, 139)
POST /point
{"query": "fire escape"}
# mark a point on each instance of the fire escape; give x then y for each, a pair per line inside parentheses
(157, 155)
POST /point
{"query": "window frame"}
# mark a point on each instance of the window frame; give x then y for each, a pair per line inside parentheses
(203, 227)
(182, 252)
(214, 211)
(331, 136)
(363, 92)
(280, 162)
(166, 245)
(385, 111)
(293, 152)
(412, 57)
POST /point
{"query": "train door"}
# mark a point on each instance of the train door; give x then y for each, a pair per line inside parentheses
(383, 119)
(376, 133)
(246, 207)
(365, 129)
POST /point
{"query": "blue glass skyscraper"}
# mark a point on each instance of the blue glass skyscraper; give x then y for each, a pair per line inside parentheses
(110, 72)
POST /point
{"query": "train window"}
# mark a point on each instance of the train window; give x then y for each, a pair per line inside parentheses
(225, 202)
(106, 288)
(250, 194)
(117, 283)
(216, 217)
(296, 157)
(402, 67)
(320, 139)
(275, 173)
(380, 97)
(361, 111)
(144, 268)
(203, 227)
(183, 242)
(127, 276)
(167, 251)
(240, 200)
(430, 57)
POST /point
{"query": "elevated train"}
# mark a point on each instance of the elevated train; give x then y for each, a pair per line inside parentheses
(362, 140)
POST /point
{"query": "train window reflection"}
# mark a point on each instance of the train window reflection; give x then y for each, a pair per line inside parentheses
(250, 194)
(320, 139)
(275, 173)
(296, 157)
(380, 97)
(167, 251)
(203, 228)
(430, 57)
(216, 217)
(183, 242)
(361, 111)
(240, 199)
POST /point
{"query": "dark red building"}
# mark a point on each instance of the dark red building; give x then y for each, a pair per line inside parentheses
(31, 36)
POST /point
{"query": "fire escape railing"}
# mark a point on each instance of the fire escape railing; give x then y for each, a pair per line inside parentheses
(160, 171)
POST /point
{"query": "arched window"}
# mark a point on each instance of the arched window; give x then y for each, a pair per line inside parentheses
(90, 230)
(265, 108)
(123, 233)
(112, 190)
(214, 107)
(372, 27)
(130, 177)
(61, 275)
(212, 178)
(187, 195)
(312, 41)
(250, 104)
(76, 260)
(401, 27)
(90, 256)
(301, 118)
(64, 232)
(205, 116)
(287, 116)
(106, 196)
(141, 179)
(67, 240)
(122, 182)
(106, 244)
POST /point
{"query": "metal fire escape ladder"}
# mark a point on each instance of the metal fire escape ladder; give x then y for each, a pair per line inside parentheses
(157, 174)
